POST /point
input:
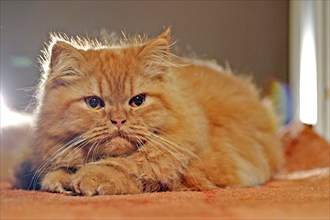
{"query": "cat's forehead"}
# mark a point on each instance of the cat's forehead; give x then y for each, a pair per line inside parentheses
(115, 72)
(120, 59)
(113, 61)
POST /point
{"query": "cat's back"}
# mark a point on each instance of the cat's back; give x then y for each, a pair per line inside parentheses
(241, 124)
(218, 90)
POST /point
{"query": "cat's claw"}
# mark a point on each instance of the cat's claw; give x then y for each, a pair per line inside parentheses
(71, 193)
(57, 182)
(84, 186)
(56, 188)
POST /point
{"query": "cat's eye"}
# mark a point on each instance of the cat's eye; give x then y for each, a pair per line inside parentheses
(94, 102)
(136, 101)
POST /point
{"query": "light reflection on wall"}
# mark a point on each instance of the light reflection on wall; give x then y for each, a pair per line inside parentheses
(11, 118)
(308, 71)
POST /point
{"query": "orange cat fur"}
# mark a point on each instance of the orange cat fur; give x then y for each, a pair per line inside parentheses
(133, 118)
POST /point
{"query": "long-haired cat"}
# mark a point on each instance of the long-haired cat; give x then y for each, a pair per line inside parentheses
(133, 118)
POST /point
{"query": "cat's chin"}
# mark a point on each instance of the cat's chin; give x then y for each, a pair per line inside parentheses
(118, 146)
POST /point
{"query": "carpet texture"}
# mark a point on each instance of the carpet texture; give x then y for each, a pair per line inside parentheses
(299, 195)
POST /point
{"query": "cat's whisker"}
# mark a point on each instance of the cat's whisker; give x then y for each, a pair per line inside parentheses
(171, 146)
(178, 145)
(43, 166)
(169, 150)
(96, 134)
(152, 139)
(89, 151)
(183, 148)
(139, 143)
(76, 141)
(78, 150)
(140, 133)
(184, 164)
(161, 149)
(96, 149)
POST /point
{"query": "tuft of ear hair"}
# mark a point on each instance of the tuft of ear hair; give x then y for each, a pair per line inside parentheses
(156, 53)
(61, 50)
(64, 62)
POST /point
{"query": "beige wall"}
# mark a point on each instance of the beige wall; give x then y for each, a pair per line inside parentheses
(251, 35)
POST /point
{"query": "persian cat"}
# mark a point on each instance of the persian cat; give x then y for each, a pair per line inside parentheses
(133, 118)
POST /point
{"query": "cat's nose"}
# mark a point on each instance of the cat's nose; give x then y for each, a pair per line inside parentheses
(118, 122)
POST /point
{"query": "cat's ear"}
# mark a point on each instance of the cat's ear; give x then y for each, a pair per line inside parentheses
(156, 54)
(61, 52)
(157, 47)
(64, 62)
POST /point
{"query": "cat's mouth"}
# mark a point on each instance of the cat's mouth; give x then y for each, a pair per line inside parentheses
(120, 144)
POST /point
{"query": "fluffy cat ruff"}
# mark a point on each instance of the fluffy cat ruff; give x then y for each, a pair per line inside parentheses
(134, 118)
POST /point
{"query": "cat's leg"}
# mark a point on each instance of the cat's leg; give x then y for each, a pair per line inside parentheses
(103, 179)
(57, 181)
(129, 175)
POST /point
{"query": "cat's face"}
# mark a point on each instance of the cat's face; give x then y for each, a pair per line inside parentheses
(105, 102)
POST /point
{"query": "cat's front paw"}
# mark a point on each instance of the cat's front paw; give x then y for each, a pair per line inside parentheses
(103, 180)
(57, 181)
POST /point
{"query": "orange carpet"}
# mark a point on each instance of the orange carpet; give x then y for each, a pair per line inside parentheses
(281, 199)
